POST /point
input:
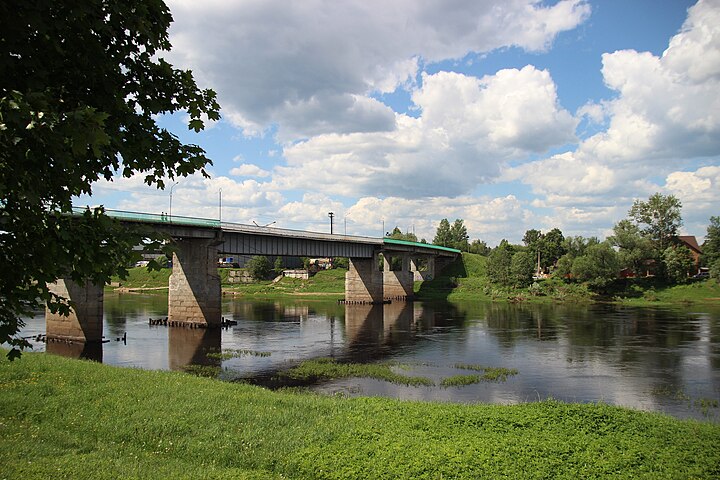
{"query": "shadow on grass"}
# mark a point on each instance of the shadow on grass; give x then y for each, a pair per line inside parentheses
(444, 282)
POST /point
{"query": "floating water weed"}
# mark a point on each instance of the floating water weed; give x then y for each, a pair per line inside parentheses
(461, 380)
(327, 369)
(494, 374)
(237, 353)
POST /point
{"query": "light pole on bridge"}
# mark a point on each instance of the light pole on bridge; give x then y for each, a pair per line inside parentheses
(331, 215)
(171, 192)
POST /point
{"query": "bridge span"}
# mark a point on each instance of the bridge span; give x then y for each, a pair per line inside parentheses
(194, 293)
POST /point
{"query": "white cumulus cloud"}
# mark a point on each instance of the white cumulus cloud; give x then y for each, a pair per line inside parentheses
(309, 66)
(468, 128)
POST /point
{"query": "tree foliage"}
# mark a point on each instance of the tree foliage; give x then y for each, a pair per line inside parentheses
(659, 219)
(499, 263)
(397, 234)
(459, 235)
(82, 83)
(634, 250)
(479, 247)
(679, 263)
(711, 246)
(442, 235)
(552, 248)
(454, 236)
(259, 267)
(598, 266)
(522, 267)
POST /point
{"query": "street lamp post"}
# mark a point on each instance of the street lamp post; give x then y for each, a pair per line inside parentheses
(171, 192)
(220, 206)
(331, 215)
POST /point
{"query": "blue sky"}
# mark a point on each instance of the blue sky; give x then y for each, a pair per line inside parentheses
(509, 114)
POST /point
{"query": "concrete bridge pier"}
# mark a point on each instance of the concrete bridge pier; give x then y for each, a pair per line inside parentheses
(85, 322)
(194, 293)
(364, 281)
(428, 272)
(397, 284)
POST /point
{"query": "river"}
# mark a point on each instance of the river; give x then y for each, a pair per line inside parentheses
(664, 359)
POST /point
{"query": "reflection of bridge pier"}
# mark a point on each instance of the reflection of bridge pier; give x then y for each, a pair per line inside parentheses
(89, 351)
(190, 346)
(397, 322)
(378, 325)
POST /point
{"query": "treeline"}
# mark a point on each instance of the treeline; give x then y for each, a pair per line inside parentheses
(645, 243)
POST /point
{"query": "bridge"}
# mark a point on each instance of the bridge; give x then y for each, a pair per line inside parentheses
(194, 293)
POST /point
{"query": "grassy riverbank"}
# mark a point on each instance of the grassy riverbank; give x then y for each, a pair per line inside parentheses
(466, 279)
(62, 418)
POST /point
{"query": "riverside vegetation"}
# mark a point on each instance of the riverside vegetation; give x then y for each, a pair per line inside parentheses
(62, 418)
(465, 279)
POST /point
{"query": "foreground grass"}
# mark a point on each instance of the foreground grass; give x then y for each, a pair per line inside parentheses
(62, 418)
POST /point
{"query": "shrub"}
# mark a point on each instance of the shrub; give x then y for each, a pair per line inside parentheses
(259, 267)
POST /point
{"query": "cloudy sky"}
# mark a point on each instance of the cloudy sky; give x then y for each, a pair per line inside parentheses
(509, 114)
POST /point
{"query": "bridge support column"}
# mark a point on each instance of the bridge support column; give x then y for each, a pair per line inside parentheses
(397, 285)
(85, 322)
(363, 281)
(421, 275)
(194, 294)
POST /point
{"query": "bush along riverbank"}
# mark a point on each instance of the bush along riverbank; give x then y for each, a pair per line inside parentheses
(62, 418)
(467, 279)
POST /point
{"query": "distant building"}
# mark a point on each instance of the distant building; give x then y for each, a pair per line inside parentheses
(692, 244)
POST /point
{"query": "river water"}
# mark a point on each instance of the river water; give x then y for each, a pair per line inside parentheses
(655, 359)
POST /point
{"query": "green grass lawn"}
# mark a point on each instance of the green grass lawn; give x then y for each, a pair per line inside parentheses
(62, 418)
(140, 277)
(325, 283)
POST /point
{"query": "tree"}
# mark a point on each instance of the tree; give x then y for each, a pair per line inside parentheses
(522, 267)
(398, 235)
(598, 266)
(634, 250)
(552, 248)
(479, 247)
(259, 267)
(711, 246)
(82, 83)
(563, 269)
(278, 266)
(499, 263)
(459, 236)
(442, 235)
(679, 262)
(660, 219)
(532, 239)
(576, 246)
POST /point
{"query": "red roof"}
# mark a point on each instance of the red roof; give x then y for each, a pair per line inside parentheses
(691, 242)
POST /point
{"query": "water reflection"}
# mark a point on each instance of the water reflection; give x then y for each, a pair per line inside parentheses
(190, 346)
(88, 351)
(661, 359)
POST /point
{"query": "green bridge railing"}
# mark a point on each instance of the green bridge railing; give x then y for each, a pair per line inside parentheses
(156, 218)
(392, 241)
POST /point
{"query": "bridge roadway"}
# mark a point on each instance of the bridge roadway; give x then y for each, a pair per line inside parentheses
(194, 294)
